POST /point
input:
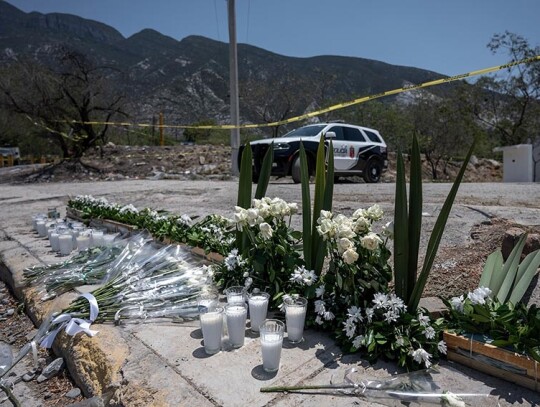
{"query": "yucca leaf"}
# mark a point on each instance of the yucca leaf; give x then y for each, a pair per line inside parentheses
(318, 204)
(436, 236)
(526, 272)
(493, 267)
(329, 186)
(306, 208)
(245, 181)
(266, 171)
(401, 238)
(509, 270)
(415, 216)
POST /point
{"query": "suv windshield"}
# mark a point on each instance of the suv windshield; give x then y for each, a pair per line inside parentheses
(309, 131)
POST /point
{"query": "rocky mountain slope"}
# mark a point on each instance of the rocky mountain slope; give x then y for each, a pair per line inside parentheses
(187, 80)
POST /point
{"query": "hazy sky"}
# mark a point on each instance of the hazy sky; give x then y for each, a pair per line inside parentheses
(447, 37)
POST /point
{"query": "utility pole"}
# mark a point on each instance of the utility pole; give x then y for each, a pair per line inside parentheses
(233, 78)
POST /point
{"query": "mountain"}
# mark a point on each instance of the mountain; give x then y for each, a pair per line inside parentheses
(188, 80)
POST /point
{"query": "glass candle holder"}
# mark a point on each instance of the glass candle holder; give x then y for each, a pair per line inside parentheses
(83, 240)
(65, 243)
(236, 294)
(271, 331)
(97, 238)
(295, 316)
(236, 314)
(258, 308)
(211, 325)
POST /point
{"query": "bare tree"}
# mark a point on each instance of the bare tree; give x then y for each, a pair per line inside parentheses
(65, 103)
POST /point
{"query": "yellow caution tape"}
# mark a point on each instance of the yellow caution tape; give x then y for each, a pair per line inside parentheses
(327, 109)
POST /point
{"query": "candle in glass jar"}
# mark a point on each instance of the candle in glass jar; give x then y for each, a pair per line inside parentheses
(97, 238)
(271, 345)
(83, 241)
(295, 316)
(236, 323)
(55, 245)
(41, 228)
(212, 326)
(258, 308)
(65, 244)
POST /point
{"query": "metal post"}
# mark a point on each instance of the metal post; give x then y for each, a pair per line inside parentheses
(233, 78)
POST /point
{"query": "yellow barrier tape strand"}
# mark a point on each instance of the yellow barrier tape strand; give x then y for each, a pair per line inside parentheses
(327, 109)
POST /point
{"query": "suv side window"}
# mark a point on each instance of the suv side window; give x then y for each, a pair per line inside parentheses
(353, 134)
(373, 136)
(338, 130)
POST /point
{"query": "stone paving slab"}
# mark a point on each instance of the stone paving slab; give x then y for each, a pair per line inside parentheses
(162, 364)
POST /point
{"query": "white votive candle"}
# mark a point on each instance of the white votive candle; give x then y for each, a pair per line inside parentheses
(258, 308)
(41, 228)
(65, 244)
(295, 316)
(212, 326)
(236, 323)
(97, 238)
(271, 345)
(55, 246)
(83, 241)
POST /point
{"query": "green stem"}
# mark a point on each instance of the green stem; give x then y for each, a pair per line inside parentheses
(276, 389)
(10, 395)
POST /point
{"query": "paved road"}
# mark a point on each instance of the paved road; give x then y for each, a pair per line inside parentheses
(163, 364)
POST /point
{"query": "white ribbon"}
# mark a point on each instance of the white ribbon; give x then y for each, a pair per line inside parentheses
(73, 325)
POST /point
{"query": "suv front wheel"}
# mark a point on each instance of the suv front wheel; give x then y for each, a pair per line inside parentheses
(373, 171)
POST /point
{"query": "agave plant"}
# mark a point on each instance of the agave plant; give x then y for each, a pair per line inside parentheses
(407, 228)
(508, 282)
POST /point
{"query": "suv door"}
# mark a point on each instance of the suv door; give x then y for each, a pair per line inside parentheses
(342, 160)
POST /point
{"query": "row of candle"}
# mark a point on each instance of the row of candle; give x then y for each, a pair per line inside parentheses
(65, 237)
(234, 314)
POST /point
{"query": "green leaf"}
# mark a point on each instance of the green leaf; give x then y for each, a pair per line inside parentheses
(246, 179)
(266, 171)
(510, 268)
(401, 238)
(306, 208)
(415, 217)
(492, 268)
(318, 204)
(526, 272)
(329, 186)
(436, 236)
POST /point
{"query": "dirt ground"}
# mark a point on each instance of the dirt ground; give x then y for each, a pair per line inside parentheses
(203, 161)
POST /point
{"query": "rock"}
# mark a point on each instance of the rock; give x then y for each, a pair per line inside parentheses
(511, 238)
(28, 377)
(474, 160)
(202, 160)
(51, 370)
(10, 312)
(494, 163)
(73, 393)
(91, 402)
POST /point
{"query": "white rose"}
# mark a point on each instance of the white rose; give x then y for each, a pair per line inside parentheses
(324, 216)
(325, 228)
(293, 208)
(371, 241)
(252, 216)
(344, 231)
(344, 244)
(359, 213)
(266, 230)
(374, 212)
(362, 225)
(350, 256)
(388, 230)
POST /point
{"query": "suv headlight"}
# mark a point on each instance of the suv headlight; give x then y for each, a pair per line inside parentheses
(281, 146)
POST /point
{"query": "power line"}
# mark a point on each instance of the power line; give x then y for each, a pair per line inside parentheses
(217, 20)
